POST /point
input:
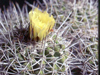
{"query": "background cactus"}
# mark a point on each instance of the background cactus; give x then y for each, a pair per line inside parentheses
(70, 50)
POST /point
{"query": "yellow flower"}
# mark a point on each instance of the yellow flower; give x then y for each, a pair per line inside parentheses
(40, 24)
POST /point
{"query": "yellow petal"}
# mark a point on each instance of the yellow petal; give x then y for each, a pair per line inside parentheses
(40, 24)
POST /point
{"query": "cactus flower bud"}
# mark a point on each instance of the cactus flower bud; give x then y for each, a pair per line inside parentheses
(41, 23)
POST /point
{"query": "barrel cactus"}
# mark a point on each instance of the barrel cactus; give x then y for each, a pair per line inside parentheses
(67, 46)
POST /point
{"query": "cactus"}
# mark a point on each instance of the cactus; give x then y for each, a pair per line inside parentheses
(70, 49)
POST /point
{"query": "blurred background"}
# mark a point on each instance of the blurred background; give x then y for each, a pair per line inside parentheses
(4, 4)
